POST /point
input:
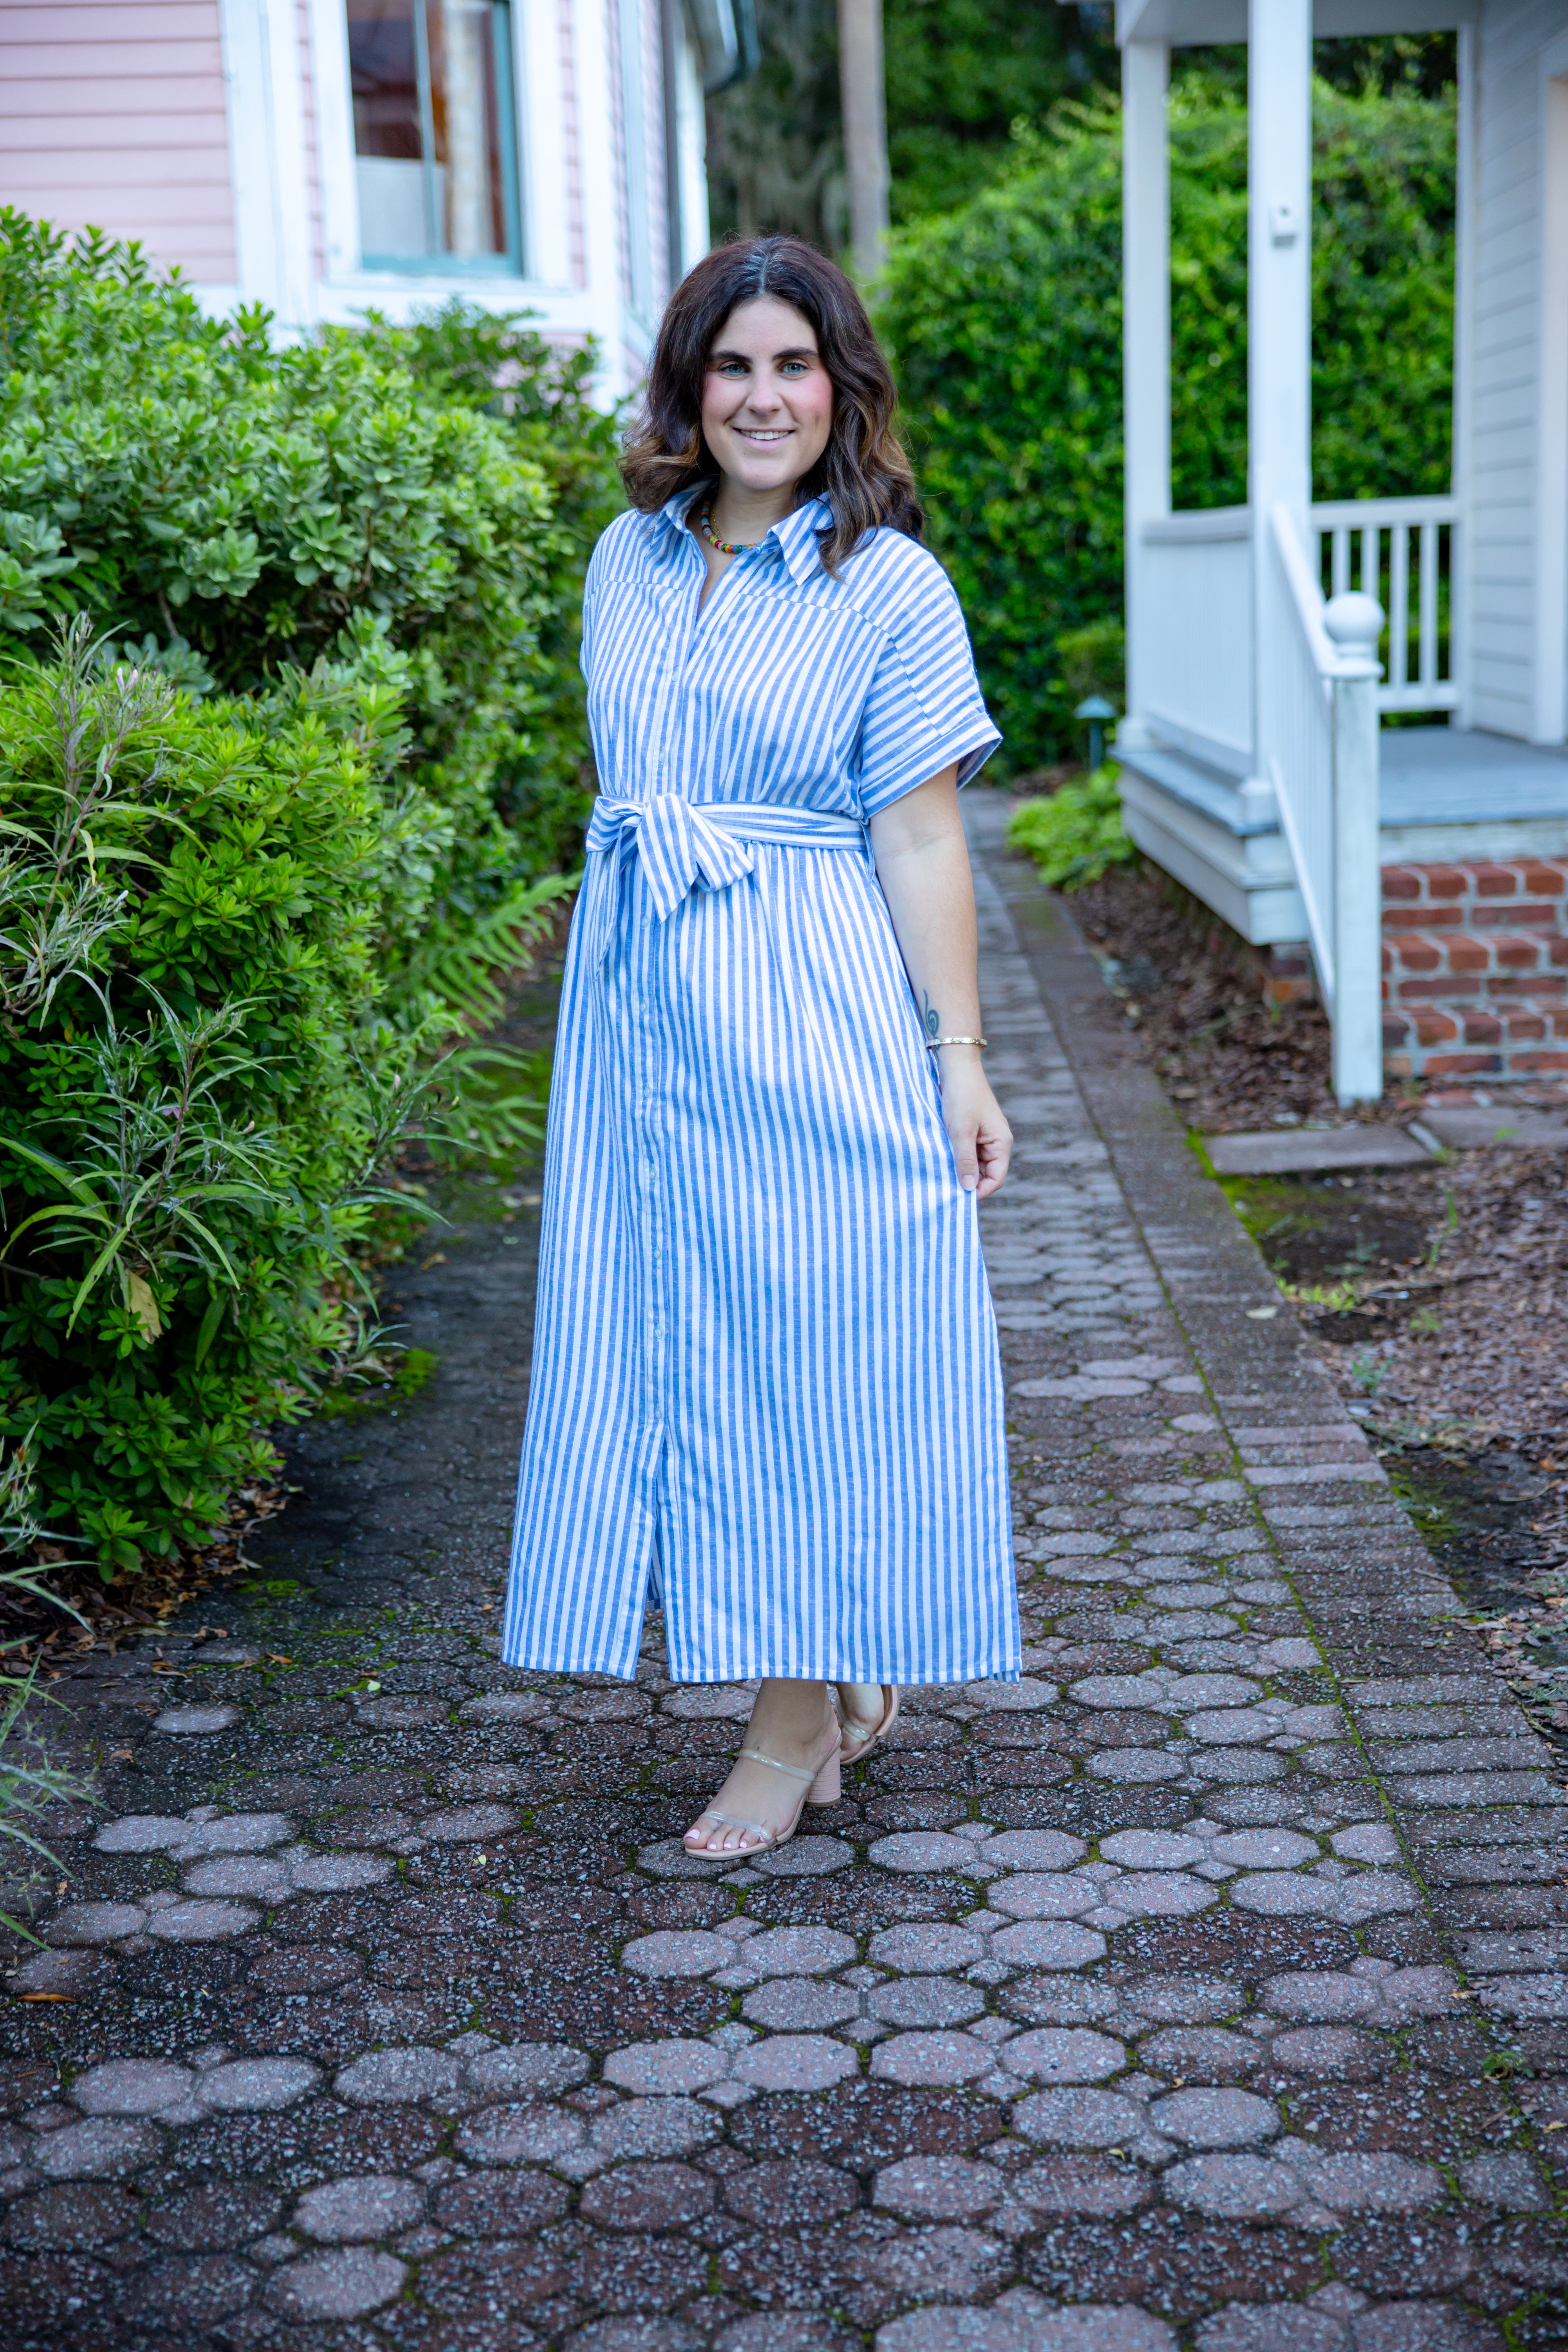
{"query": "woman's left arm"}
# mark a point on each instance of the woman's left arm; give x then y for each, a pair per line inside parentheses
(922, 863)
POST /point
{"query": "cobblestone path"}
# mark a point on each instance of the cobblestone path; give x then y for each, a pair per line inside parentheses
(1201, 1990)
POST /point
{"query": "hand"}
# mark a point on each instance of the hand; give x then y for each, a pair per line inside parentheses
(981, 1138)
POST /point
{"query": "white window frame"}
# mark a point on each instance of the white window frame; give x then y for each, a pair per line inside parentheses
(541, 167)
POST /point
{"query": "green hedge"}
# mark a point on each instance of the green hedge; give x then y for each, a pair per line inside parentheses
(287, 802)
(1005, 318)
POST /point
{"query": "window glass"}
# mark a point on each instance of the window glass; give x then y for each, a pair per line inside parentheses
(433, 134)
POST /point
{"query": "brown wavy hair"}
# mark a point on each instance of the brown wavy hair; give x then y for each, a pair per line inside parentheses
(863, 473)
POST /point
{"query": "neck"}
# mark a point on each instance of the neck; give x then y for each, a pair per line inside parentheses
(745, 515)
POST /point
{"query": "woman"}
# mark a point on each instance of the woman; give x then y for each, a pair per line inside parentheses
(765, 1380)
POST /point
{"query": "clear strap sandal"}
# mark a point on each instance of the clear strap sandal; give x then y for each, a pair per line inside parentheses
(821, 1786)
(858, 1739)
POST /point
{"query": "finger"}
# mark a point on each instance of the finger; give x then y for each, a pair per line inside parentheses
(966, 1156)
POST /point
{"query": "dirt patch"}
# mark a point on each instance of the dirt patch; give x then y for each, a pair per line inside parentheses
(1437, 1296)
(1228, 1058)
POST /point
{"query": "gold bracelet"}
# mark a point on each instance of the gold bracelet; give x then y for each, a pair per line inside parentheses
(932, 1043)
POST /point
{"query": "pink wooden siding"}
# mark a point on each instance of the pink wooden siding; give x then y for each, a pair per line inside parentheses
(113, 115)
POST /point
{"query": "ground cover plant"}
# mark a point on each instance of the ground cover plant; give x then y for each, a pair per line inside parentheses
(293, 770)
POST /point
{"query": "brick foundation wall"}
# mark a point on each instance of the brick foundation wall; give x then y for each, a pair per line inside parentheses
(1474, 969)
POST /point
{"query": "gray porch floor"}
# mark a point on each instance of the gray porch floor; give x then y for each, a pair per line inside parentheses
(1451, 775)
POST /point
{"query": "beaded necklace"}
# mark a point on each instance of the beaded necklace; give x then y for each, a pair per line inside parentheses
(723, 546)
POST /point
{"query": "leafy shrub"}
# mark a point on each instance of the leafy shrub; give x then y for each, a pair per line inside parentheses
(227, 508)
(198, 1073)
(1075, 834)
(266, 849)
(1004, 317)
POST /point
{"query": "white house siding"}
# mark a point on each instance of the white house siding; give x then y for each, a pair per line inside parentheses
(112, 115)
(576, 226)
(1504, 456)
(313, 141)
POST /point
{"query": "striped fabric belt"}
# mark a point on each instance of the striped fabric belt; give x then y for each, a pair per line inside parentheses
(683, 847)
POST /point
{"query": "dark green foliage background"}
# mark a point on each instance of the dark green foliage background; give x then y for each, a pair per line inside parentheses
(1004, 321)
(348, 575)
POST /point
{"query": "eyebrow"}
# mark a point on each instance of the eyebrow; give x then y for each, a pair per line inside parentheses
(799, 352)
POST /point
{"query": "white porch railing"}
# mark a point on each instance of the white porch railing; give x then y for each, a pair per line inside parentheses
(1196, 686)
(1404, 551)
(1324, 771)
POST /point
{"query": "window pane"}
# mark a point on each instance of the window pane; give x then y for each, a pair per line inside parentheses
(433, 147)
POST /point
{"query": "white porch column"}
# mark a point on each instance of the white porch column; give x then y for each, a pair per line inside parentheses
(1145, 335)
(1279, 319)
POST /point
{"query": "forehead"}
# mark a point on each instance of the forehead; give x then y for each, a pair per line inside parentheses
(766, 325)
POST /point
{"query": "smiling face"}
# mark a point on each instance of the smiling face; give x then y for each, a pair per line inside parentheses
(767, 399)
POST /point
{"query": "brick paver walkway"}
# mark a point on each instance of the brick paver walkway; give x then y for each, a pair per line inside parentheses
(1200, 1989)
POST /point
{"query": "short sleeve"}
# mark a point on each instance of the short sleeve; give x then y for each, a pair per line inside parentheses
(924, 711)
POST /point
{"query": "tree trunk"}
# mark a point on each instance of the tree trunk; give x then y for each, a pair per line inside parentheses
(865, 131)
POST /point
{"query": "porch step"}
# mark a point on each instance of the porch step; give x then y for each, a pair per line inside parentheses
(1475, 964)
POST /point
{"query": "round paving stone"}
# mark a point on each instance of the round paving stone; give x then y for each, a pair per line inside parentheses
(1160, 1893)
(1332, 2049)
(937, 2187)
(397, 2077)
(366, 2205)
(255, 2085)
(925, 2001)
(1235, 2187)
(1028, 1693)
(923, 1850)
(142, 1833)
(795, 1951)
(1062, 2054)
(1137, 1767)
(201, 1923)
(186, 1721)
(927, 1949)
(103, 2149)
(520, 2134)
(665, 2068)
(73, 2216)
(1356, 2183)
(805, 1857)
(95, 1923)
(1078, 2119)
(342, 2285)
(260, 1875)
(1048, 1944)
(1081, 2184)
(1153, 1850)
(935, 2061)
(1207, 2051)
(512, 2071)
(1034, 1849)
(795, 2061)
(794, 2194)
(647, 2197)
(131, 2086)
(800, 2005)
(1222, 2118)
(677, 1952)
(338, 1873)
(1046, 1894)
(1273, 1849)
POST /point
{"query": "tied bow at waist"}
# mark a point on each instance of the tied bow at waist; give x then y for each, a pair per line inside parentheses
(683, 847)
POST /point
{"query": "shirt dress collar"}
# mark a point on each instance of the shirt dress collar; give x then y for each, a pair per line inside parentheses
(794, 537)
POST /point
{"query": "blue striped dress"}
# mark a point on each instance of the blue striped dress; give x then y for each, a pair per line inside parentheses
(766, 1385)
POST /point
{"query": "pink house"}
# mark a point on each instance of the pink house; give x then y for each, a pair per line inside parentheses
(322, 156)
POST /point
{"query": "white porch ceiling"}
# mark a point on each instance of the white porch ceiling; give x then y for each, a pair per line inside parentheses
(1185, 22)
